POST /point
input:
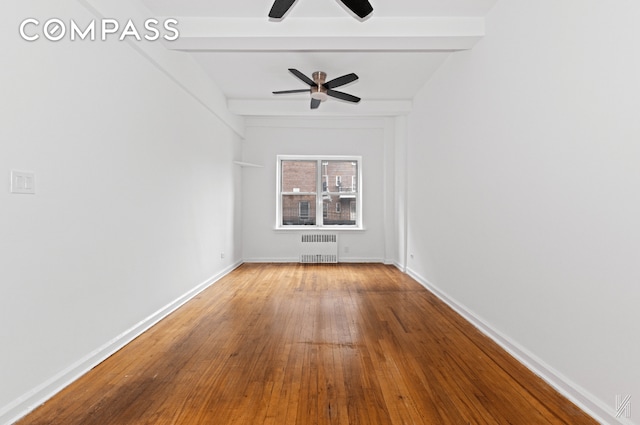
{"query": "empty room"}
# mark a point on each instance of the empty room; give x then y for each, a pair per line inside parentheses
(320, 212)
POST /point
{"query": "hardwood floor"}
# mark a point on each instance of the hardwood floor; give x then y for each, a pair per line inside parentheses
(310, 344)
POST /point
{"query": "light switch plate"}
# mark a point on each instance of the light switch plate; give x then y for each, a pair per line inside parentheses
(23, 182)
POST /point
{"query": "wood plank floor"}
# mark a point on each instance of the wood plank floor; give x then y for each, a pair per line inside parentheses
(310, 344)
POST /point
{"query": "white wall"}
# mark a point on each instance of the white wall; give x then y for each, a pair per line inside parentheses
(524, 190)
(268, 137)
(136, 198)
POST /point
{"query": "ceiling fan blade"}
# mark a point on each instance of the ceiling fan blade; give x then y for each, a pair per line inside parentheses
(362, 8)
(340, 81)
(291, 91)
(315, 103)
(280, 7)
(302, 77)
(343, 96)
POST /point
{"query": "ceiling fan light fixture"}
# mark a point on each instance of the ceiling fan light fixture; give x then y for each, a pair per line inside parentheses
(319, 93)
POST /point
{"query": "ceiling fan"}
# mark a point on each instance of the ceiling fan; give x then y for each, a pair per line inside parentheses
(321, 89)
(362, 8)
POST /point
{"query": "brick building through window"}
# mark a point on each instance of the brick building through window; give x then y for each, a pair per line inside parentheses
(306, 183)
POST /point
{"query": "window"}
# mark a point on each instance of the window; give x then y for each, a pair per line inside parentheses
(303, 210)
(319, 191)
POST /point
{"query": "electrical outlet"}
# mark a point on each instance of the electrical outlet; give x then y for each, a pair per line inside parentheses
(222, 255)
(23, 182)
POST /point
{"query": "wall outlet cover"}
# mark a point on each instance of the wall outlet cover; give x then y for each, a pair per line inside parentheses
(23, 182)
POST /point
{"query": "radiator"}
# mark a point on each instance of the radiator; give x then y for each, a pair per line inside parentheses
(318, 248)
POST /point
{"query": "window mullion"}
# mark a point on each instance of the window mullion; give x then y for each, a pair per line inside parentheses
(319, 209)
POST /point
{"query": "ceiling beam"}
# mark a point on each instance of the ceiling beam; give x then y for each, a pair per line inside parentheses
(334, 34)
(330, 108)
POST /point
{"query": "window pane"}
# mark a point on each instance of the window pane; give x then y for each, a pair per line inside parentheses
(298, 210)
(299, 176)
(339, 209)
(340, 176)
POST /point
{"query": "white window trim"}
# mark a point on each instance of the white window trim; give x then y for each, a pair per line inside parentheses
(319, 209)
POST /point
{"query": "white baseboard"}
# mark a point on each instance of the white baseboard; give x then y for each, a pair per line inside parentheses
(398, 266)
(578, 395)
(38, 395)
(296, 260)
(272, 260)
(355, 260)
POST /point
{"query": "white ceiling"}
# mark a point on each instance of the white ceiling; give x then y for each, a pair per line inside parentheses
(394, 51)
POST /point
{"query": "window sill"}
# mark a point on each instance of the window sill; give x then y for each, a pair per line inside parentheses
(319, 229)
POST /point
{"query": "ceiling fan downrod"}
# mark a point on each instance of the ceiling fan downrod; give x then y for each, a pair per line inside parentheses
(319, 91)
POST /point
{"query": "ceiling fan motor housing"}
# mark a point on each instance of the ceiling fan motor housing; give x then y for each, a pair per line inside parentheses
(318, 91)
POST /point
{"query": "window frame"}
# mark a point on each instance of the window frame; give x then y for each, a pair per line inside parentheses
(320, 177)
